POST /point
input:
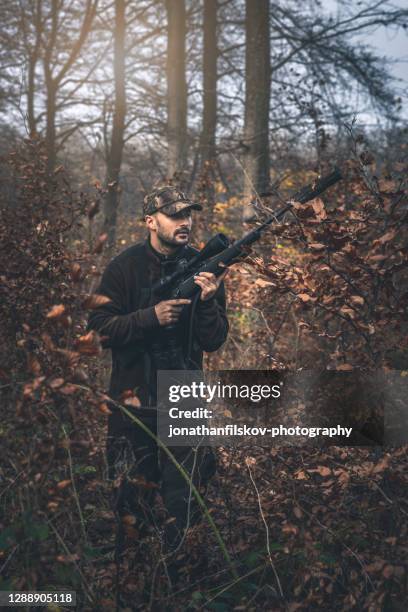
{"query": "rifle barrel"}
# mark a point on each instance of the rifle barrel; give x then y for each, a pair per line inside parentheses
(188, 287)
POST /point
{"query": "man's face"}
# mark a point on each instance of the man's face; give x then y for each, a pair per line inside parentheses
(171, 231)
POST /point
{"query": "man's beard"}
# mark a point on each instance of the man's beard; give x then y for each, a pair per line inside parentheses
(170, 240)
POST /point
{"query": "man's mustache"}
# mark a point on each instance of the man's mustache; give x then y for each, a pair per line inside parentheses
(182, 231)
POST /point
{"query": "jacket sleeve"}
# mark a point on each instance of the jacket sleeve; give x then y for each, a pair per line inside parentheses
(112, 321)
(210, 321)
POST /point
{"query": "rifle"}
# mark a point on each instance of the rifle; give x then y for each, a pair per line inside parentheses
(219, 253)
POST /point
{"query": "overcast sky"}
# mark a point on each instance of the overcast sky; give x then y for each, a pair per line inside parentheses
(387, 42)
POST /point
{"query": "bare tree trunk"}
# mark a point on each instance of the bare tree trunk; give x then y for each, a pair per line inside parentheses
(115, 153)
(210, 53)
(53, 76)
(176, 87)
(50, 135)
(32, 55)
(32, 123)
(257, 99)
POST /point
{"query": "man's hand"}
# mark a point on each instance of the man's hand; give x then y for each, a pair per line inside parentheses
(168, 311)
(209, 283)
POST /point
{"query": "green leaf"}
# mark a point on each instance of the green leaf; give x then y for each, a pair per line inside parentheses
(37, 531)
(276, 546)
(7, 538)
(328, 558)
(66, 575)
(252, 559)
(92, 553)
(196, 596)
(85, 469)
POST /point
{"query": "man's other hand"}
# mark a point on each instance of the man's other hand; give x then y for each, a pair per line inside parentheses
(168, 311)
(209, 284)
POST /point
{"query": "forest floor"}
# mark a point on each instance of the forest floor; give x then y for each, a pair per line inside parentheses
(306, 528)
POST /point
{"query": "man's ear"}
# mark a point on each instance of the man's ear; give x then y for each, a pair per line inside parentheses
(150, 222)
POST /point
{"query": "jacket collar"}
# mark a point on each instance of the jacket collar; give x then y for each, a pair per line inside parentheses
(158, 259)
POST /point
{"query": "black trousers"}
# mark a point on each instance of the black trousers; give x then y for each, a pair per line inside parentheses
(141, 469)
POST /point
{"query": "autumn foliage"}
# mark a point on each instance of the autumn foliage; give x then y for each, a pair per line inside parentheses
(306, 529)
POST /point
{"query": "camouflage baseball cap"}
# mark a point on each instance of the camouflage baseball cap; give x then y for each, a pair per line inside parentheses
(167, 200)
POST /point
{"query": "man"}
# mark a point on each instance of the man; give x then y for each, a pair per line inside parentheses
(134, 325)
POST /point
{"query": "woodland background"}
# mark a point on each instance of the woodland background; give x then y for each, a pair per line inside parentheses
(241, 104)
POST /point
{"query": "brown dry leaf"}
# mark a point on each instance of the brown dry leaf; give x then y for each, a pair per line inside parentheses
(260, 282)
(297, 512)
(76, 273)
(100, 243)
(322, 470)
(348, 311)
(375, 566)
(131, 534)
(141, 481)
(240, 269)
(34, 365)
(133, 401)
(289, 528)
(72, 357)
(345, 367)
(29, 388)
(68, 558)
(317, 246)
(387, 237)
(68, 389)
(56, 311)
(387, 186)
(304, 211)
(129, 519)
(80, 375)
(95, 300)
(63, 484)
(93, 209)
(377, 257)
(318, 207)
(56, 383)
(342, 477)
(305, 297)
(103, 407)
(381, 465)
(88, 344)
(357, 300)
(301, 475)
(46, 338)
(388, 571)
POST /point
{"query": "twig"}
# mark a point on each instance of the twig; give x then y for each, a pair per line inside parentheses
(232, 584)
(355, 555)
(268, 547)
(87, 588)
(74, 489)
(3, 567)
